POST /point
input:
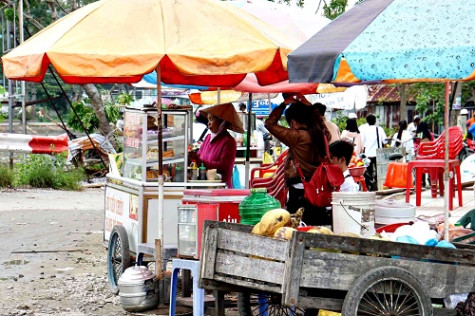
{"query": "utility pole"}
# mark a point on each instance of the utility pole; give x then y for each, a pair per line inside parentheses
(11, 94)
(23, 84)
(403, 97)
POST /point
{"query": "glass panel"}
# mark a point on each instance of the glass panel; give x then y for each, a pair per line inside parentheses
(133, 145)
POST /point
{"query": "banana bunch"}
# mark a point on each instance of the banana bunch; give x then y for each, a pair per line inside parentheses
(297, 217)
(271, 222)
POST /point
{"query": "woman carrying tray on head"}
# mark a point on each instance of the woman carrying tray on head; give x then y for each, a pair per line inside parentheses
(218, 150)
(305, 139)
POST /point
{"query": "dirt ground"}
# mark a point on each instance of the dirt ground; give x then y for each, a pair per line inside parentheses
(51, 253)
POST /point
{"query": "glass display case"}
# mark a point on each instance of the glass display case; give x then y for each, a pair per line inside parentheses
(141, 144)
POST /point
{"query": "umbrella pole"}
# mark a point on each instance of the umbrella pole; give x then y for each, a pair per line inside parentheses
(248, 144)
(160, 158)
(446, 162)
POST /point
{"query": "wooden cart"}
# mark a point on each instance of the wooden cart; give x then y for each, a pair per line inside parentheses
(352, 275)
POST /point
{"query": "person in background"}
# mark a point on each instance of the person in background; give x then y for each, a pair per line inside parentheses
(352, 135)
(260, 127)
(305, 139)
(373, 137)
(340, 155)
(423, 132)
(471, 120)
(412, 127)
(218, 150)
(200, 127)
(332, 127)
(404, 138)
(242, 107)
(423, 135)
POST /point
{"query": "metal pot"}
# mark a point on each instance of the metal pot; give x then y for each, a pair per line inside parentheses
(138, 289)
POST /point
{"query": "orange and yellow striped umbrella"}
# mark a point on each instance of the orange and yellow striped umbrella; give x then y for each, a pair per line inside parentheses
(200, 42)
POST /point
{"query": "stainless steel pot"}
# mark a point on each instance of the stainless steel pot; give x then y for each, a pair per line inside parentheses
(138, 289)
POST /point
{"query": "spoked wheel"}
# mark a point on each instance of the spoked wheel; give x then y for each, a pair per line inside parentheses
(387, 291)
(252, 304)
(118, 256)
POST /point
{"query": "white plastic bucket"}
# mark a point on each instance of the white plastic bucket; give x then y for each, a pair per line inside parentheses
(354, 213)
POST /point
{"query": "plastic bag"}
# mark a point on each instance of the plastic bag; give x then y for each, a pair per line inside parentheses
(267, 158)
(236, 180)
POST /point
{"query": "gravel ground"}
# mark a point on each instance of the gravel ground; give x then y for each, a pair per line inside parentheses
(52, 258)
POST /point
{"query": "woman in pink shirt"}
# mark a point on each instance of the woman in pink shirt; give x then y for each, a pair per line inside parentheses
(218, 150)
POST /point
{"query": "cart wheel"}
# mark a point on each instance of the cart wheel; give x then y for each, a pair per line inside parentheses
(118, 256)
(265, 304)
(388, 291)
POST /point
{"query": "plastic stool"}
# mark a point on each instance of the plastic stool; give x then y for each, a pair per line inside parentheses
(361, 181)
(396, 176)
(198, 294)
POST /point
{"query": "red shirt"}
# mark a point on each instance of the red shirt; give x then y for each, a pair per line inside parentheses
(220, 154)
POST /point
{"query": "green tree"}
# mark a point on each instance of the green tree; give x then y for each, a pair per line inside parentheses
(38, 14)
(334, 8)
(430, 101)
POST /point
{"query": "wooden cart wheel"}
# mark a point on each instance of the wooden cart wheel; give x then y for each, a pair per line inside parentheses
(264, 304)
(118, 256)
(387, 291)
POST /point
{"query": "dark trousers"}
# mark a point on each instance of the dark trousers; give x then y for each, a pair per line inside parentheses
(312, 216)
(371, 175)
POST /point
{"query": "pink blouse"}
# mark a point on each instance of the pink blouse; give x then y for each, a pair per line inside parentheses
(220, 154)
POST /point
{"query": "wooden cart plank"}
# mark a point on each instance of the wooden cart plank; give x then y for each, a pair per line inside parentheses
(249, 244)
(327, 270)
(231, 264)
(229, 226)
(251, 285)
(385, 248)
(293, 270)
(208, 252)
(331, 304)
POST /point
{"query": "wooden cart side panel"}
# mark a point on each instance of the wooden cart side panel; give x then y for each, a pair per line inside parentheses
(293, 269)
(234, 265)
(208, 252)
(464, 256)
(221, 283)
(252, 245)
(326, 270)
(229, 226)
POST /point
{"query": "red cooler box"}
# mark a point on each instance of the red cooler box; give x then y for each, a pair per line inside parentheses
(200, 205)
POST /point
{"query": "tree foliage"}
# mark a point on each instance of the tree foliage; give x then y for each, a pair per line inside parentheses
(89, 118)
(334, 8)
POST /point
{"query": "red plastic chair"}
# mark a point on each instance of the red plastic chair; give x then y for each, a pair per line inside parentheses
(266, 169)
(276, 183)
(430, 160)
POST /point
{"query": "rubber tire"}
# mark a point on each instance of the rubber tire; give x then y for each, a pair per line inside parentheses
(118, 234)
(244, 304)
(245, 308)
(364, 282)
(464, 153)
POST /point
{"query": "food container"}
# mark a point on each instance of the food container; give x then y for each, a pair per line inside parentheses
(138, 289)
(357, 171)
(391, 212)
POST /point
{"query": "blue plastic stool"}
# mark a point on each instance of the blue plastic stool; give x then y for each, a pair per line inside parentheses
(198, 294)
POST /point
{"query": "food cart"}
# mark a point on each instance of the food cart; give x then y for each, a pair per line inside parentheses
(352, 275)
(131, 198)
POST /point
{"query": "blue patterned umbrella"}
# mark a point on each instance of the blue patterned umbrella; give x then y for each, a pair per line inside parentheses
(391, 41)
